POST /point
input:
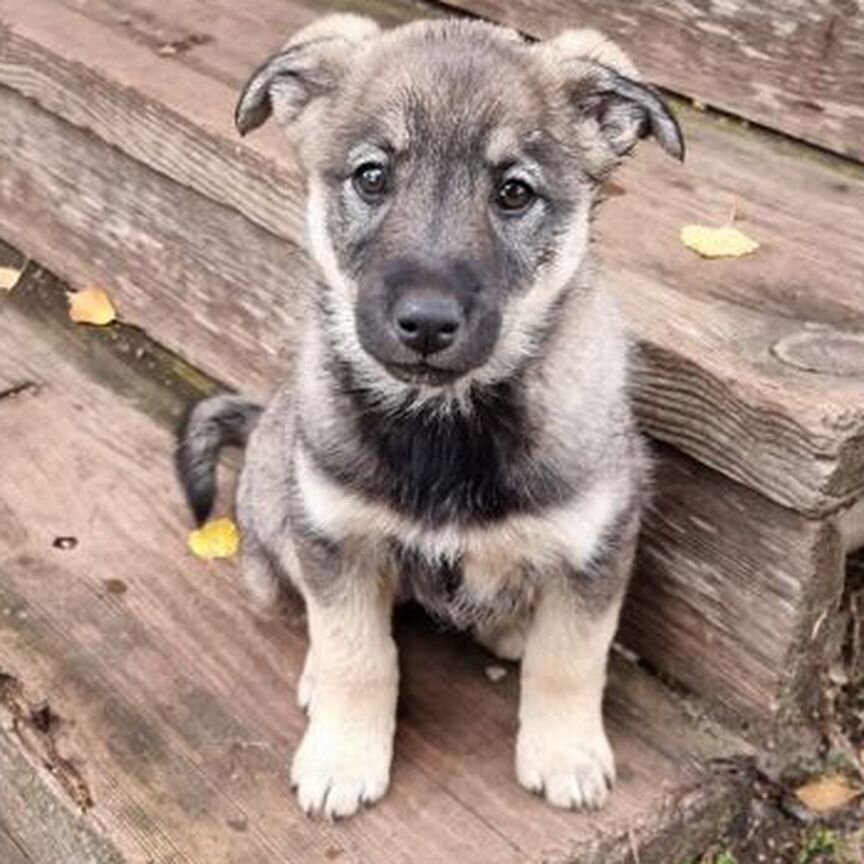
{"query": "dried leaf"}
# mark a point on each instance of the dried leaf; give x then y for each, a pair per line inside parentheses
(91, 306)
(9, 277)
(827, 793)
(723, 242)
(217, 539)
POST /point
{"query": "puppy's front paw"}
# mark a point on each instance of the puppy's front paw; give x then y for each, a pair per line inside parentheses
(569, 769)
(338, 768)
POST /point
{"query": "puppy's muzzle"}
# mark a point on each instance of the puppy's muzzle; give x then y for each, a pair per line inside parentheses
(428, 322)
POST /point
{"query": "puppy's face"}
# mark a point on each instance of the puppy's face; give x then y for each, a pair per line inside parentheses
(451, 167)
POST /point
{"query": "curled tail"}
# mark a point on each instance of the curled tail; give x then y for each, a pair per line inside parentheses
(212, 424)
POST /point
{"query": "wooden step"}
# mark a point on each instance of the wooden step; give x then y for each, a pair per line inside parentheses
(147, 715)
(793, 66)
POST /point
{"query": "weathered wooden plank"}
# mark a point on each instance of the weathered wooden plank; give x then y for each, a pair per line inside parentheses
(37, 826)
(10, 851)
(175, 703)
(795, 65)
(725, 397)
(125, 94)
(179, 124)
(203, 279)
(735, 596)
(743, 54)
(725, 171)
(219, 40)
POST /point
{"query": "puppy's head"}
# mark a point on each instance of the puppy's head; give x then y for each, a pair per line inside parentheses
(451, 169)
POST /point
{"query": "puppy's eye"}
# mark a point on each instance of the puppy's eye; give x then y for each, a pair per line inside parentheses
(514, 196)
(371, 180)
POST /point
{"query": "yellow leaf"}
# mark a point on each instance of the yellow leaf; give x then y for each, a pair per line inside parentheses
(723, 242)
(217, 539)
(9, 277)
(827, 793)
(91, 306)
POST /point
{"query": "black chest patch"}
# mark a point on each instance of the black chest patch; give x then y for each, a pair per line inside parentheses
(438, 466)
(472, 466)
(453, 465)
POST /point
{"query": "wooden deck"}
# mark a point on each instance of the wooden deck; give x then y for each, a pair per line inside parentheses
(145, 714)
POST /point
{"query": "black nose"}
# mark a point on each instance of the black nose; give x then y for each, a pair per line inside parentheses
(428, 323)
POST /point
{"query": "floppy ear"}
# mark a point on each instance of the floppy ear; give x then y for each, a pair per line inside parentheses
(309, 66)
(604, 88)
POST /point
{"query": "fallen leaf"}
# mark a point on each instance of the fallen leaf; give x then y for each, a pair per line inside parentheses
(217, 539)
(723, 242)
(827, 793)
(9, 277)
(91, 306)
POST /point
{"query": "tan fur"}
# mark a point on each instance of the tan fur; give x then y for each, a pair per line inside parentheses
(349, 688)
(561, 748)
(591, 45)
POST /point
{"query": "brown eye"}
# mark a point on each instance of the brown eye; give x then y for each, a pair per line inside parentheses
(514, 196)
(371, 181)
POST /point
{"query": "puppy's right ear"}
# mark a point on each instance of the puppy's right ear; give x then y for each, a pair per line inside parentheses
(309, 66)
(613, 107)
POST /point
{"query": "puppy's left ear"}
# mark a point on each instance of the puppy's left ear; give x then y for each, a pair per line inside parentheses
(311, 65)
(603, 86)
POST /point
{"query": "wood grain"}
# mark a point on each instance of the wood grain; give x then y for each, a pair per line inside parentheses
(735, 596)
(37, 826)
(794, 65)
(174, 117)
(207, 282)
(176, 703)
(10, 851)
(722, 396)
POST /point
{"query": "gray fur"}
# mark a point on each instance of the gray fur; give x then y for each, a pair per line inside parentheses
(212, 424)
(492, 463)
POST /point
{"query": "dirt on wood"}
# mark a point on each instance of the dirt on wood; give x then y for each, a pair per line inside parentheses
(778, 828)
(36, 725)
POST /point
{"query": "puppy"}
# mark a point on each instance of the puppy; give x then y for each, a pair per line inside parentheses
(458, 428)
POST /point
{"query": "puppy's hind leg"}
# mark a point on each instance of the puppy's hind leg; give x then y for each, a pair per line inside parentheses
(350, 684)
(260, 575)
(506, 641)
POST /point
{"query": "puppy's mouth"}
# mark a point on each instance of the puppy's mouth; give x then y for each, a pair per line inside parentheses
(423, 373)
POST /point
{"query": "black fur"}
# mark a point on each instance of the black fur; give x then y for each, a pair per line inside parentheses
(469, 467)
(208, 427)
